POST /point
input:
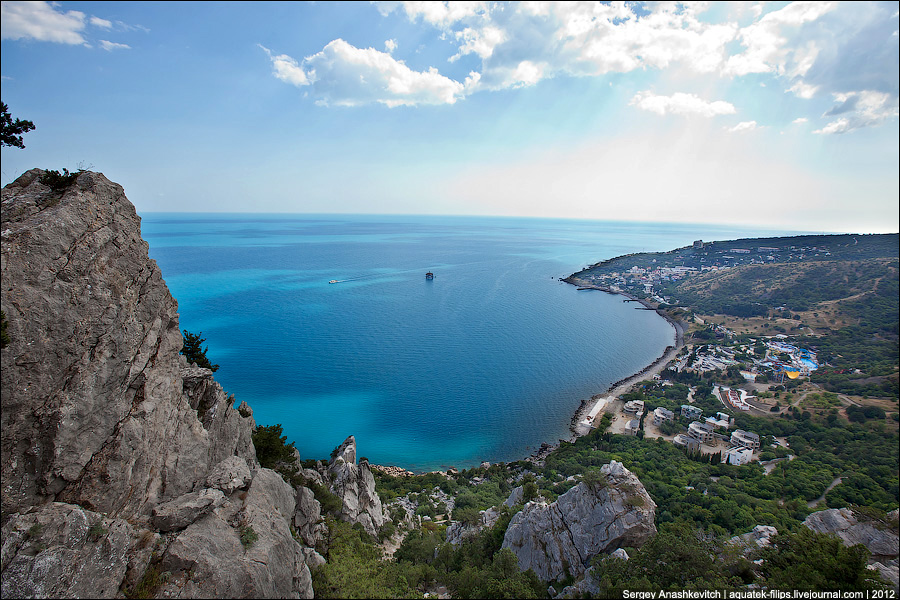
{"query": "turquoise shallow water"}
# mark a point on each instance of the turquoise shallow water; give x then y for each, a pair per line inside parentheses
(485, 362)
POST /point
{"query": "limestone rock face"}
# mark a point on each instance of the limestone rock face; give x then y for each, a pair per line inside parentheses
(94, 412)
(308, 517)
(880, 541)
(459, 531)
(354, 484)
(64, 551)
(210, 560)
(184, 510)
(229, 475)
(585, 521)
(108, 437)
(843, 523)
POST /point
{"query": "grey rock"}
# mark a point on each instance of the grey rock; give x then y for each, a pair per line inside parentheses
(459, 531)
(182, 511)
(582, 523)
(517, 496)
(308, 517)
(94, 408)
(106, 430)
(889, 572)
(355, 486)
(64, 551)
(620, 554)
(843, 523)
(208, 559)
(758, 537)
(230, 475)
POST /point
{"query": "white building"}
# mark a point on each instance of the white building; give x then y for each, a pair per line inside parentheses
(738, 456)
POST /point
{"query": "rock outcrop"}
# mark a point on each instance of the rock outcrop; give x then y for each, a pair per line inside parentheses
(459, 531)
(354, 484)
(562, 537)
(123, 468)
(879, 538)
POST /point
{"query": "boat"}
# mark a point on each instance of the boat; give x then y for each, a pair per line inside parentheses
(333, 281)
(429, 275)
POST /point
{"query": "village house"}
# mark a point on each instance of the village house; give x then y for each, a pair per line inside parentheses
(661, 414)
(745, 439)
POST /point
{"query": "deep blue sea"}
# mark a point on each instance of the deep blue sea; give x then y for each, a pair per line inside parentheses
(485, 362)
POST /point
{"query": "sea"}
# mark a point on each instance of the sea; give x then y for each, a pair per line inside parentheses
(484, 362)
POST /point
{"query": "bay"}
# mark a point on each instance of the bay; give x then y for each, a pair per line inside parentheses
(483, 363)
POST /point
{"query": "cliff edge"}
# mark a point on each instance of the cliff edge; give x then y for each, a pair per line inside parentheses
(124, 470)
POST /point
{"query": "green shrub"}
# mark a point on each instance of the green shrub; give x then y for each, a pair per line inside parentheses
(96, 531)
(248, 536)
(57, 181)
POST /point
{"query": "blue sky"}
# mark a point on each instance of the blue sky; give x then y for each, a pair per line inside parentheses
(776, 114)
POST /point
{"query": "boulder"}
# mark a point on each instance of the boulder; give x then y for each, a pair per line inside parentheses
(560, 538)
(230, 475)
(517, 496)
(182, 511)
(758, 537)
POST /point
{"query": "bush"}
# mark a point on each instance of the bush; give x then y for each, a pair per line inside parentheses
(248, 536)
(59, 181)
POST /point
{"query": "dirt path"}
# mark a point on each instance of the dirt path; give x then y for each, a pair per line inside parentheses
(813, 503)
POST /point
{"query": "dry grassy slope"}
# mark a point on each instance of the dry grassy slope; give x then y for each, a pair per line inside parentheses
(828, 285)
(758, 282)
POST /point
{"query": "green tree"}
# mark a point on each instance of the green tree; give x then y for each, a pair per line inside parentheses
(11, 131)
(271, 446)
(193, 351)
(807, 560)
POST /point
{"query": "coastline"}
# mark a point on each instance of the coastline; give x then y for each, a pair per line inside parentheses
(591, 406)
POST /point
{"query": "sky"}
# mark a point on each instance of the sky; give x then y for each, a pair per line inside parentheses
(783, 115)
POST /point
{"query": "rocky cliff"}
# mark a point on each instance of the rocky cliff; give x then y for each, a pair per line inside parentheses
(879, 537)
(561, 538)
(124, 470)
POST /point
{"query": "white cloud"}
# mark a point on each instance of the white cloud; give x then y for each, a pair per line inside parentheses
(575, 38)
(861, 109)
(344, 75)
(767, 45)
(800, 120)
(681, 104)
(390, 45)
(110, 46)
(40, 21)
(743, 126)
(103, 23)
(440, 14)
(802, 90)
(287, 69)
